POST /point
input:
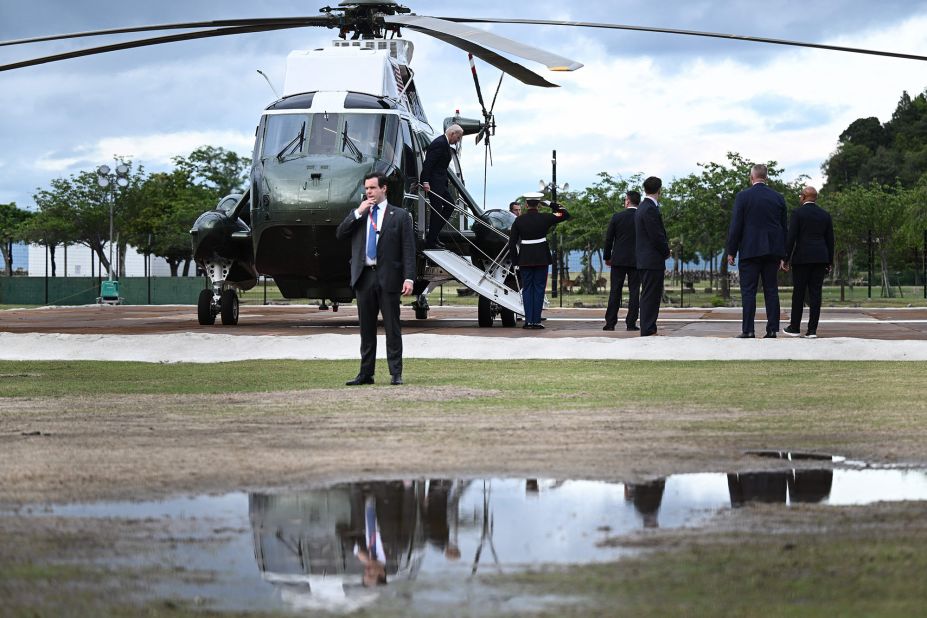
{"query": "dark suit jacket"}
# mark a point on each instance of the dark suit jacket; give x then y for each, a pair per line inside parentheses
(395, 247)
(620, 246)
(651, 244)
(437, 158)
(758, 225)
(811, 236)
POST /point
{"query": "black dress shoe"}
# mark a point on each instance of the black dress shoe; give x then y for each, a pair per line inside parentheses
(396, 380)
(527, 326)
(632, 327)
(746, 336)
(608, 327)
(651, 333)
(770, 335)
(359, 380)
(539, 326)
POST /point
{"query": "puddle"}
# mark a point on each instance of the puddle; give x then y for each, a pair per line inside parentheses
(421, 546)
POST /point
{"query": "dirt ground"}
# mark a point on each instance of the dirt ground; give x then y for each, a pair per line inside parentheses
(143, 446)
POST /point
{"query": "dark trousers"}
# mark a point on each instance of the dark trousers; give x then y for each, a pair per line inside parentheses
(808, 277)
(614, 296)
(651, 295)
(533, 283)
(751, 270)
(441, 211)
(373, 300)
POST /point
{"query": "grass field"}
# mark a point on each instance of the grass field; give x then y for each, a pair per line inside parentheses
(804, 561)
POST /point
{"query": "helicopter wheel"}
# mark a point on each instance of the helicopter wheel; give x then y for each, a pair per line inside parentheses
(484, 313)
(204, 313)
(508, 318)
(228, 305)
(334, 306)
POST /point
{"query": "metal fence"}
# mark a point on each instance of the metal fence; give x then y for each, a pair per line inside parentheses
(86, 290)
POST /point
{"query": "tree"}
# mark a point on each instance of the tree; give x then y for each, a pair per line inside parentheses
(216, 170)
(165, 206)
(590, 212)
(870, 152)
(13, 221)
(861, 209)
(81, 201)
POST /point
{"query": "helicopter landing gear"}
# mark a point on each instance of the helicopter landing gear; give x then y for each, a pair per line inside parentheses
(228, 307)
(488, 310)
(213, 302)
(421, 307)
(334, 306)
(323, 306)
(205, 308)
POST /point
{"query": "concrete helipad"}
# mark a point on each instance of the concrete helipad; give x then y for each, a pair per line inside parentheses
(172, 334)
(297, 320)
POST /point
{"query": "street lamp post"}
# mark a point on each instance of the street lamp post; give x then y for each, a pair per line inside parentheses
(109, 291)
(552, 187)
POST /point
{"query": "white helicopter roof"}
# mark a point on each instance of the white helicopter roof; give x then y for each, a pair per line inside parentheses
(369, 66)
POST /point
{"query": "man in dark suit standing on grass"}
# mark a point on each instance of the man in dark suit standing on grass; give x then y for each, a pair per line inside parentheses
(382, 266)
(652, 249)
(757, 232)
(809, 254)
(621, 255)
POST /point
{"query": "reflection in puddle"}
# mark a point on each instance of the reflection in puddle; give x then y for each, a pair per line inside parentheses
(422, 544)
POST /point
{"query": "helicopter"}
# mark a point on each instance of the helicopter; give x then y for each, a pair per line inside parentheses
(345, 111)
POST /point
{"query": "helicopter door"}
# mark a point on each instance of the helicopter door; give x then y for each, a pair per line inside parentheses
(413, 201)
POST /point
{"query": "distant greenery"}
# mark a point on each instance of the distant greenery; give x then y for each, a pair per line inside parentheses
(151, 211)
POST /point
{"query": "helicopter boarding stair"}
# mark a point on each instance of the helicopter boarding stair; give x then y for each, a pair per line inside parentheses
(489, 284)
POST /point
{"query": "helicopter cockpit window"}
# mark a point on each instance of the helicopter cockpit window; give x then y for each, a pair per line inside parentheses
(357, 136)
(374, 135)
(285, 136)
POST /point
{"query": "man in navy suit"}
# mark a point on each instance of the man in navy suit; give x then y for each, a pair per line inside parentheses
(438, 156)
(651, 249)
(621, 255)
(758, 229)
(809, 254)
(382, 265)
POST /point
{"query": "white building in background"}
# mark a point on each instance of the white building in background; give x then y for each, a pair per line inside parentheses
(77, 261)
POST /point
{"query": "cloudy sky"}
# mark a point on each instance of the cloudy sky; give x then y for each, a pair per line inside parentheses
(650, 103)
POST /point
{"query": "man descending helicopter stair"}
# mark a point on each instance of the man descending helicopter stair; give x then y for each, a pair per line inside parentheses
(530, 252)
(382, 255)
(438, 157)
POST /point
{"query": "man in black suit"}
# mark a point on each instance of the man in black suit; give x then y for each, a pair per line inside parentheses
(382, 265)
(757, 232)
(621, 255)
(652, 249)
(809, 254)
(438, 156)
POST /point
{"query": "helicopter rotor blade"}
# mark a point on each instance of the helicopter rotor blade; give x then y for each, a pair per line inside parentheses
(714, 35)
(187, 36)
(433, 25)
(495, 96)
(219, 23)
(476, 82)
(522, 74)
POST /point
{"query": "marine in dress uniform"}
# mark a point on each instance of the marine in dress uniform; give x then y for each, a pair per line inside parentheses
(531, 253)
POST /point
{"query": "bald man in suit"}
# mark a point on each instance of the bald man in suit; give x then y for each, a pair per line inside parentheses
(809, 255)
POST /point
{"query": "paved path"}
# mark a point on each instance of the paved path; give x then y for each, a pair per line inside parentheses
(171, 334)
(889, 324)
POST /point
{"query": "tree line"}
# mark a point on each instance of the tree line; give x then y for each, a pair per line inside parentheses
(151, 212)
(876, 188)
